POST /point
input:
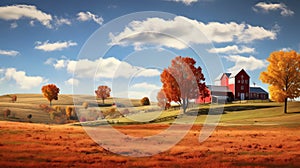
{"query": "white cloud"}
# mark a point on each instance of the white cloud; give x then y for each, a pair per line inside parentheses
(9, 52)
(72, 82)
(186, 2)
(286, 49)
(24, 81)
(62, 21)
(103, 68)
(46, 46)
(234, 49)
(60, 64)
(248, 63)
(13, 25)
(266, 7)
(181, 32)
(87, 16)
(146, 86)
(16, 12)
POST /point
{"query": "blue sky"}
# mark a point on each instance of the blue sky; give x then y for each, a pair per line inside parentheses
(80, 44)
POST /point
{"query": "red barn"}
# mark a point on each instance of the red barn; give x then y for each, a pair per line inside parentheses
(236, 86)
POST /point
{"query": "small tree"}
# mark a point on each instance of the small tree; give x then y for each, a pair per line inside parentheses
(50, 92)
(162, 100)
(103, 92)
(13, 98)
(145, 101)
(283, 76)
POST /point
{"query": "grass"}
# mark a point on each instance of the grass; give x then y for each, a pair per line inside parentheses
(258, 113)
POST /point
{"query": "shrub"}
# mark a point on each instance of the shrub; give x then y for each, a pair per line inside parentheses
(6, 113)
(85, 105)
(13, 98)
(71, 113)
(145, 101)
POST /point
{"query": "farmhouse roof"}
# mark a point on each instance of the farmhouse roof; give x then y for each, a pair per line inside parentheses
(257, 90)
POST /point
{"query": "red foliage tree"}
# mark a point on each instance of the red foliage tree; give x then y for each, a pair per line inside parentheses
(204, 93)
(182, 81)
(103, 92)
(162, 100)
(50, 92)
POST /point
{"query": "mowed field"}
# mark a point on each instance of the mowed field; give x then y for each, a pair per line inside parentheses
(248, 135)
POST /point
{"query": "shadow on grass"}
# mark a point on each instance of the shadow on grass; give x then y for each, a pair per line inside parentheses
(294, 112)
(228, 109)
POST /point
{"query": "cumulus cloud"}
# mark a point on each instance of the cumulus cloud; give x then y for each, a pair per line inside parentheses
(46, 46)
(72, 82)
(22, 80)
(60, 64)
(103, 68)
(87, 16)
(186, 2)
(16, 12)
(181, 31)
(266, 7)
(248, 63)
(233, 49)
(9, 53)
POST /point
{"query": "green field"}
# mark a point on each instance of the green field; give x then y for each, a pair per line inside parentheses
(268, 113)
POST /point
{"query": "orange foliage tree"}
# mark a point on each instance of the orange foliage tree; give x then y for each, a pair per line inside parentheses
(103, 92)
(182, 81)
(162, 100)
(50, 92)
(282, 75)
(145, 101)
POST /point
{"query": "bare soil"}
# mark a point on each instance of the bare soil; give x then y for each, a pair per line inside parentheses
(42, 145)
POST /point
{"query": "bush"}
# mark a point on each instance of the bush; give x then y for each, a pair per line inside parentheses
(6, 113)
(71, 113)
(145, 101)
(13, 98)
(85, 105)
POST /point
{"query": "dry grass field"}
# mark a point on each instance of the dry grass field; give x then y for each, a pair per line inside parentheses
(248, 135)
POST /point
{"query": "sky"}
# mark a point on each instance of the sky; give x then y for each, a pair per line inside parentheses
(126, 44)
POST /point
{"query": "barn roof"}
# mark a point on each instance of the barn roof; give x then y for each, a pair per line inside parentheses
(220, 76)
(235, 74)
(215, 88)
(257, 90)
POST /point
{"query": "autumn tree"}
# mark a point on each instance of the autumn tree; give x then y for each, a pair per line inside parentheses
(145, 101)
(204, 94)
(282, 75)
(162, 100)
(182, 81)
(50, 92)
(103, 92)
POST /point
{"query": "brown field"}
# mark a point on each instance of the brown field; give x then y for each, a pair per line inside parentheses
(255, 134)
(40, 145)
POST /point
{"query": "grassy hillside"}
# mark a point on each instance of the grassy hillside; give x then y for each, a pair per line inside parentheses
(234, 114)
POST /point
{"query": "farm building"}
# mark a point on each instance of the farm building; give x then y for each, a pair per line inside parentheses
(231, 87)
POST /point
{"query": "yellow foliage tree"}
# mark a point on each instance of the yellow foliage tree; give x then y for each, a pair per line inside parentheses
(283, 76)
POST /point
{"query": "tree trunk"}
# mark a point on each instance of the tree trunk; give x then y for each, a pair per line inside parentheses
(50, 103)
(185, 103)
(285, 105)
(102, 101)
